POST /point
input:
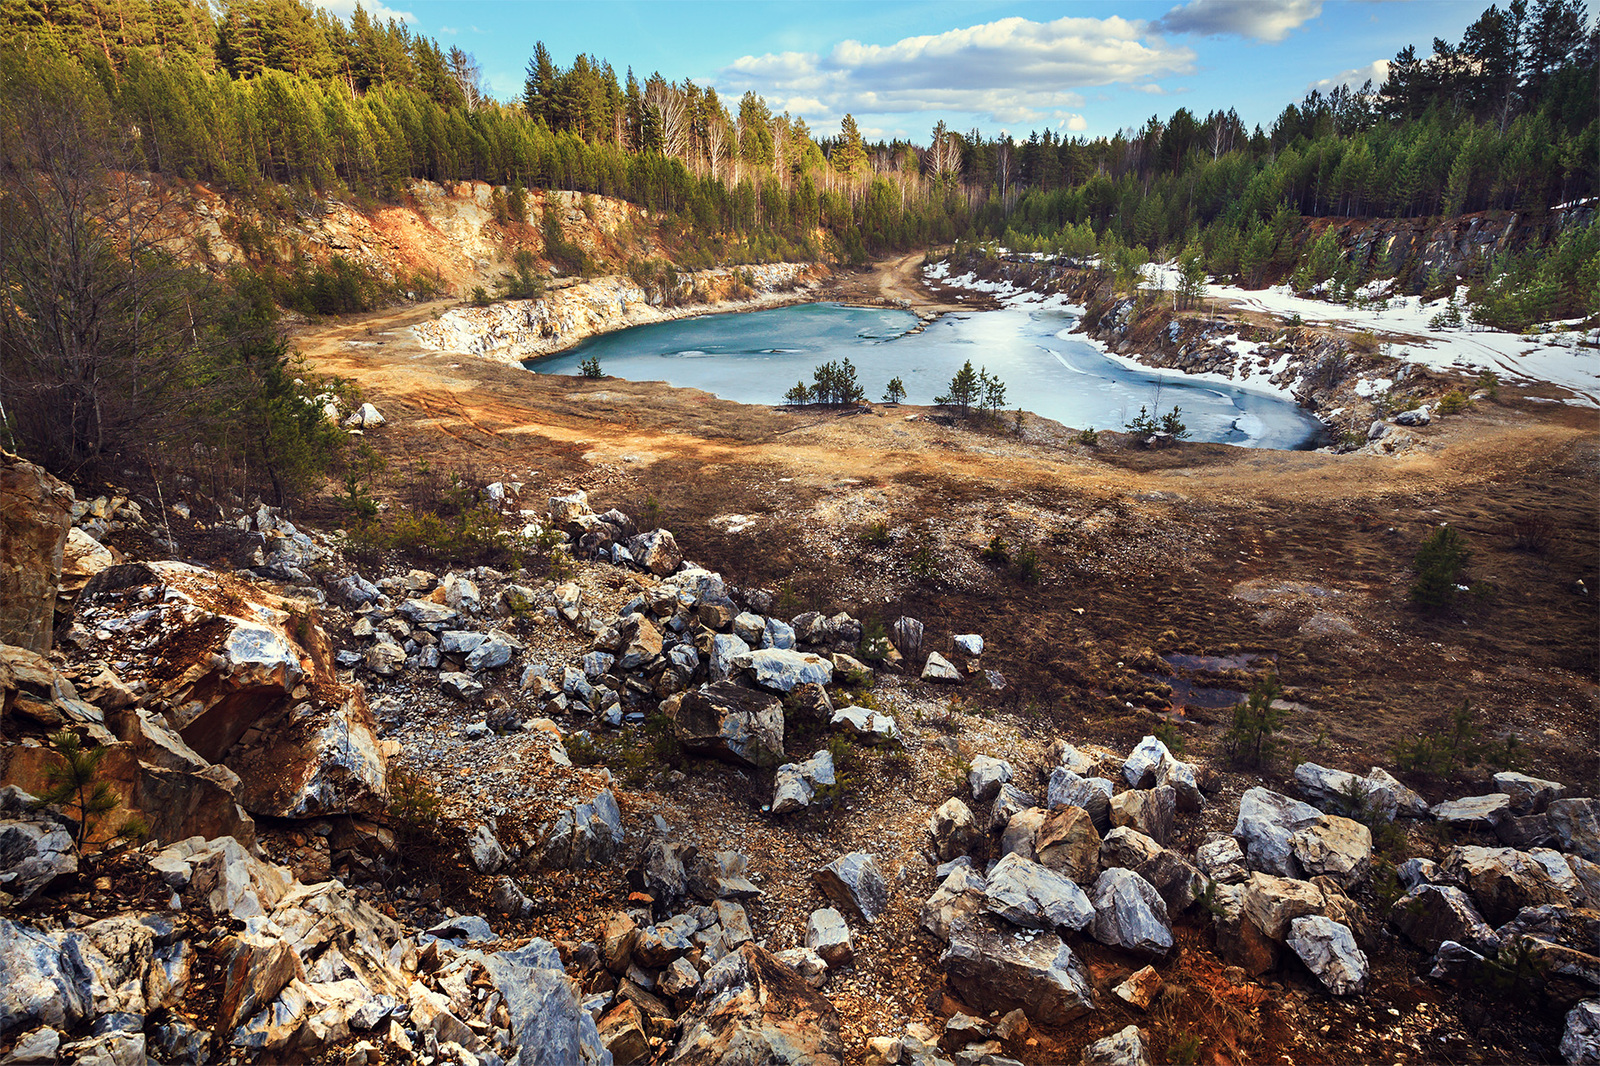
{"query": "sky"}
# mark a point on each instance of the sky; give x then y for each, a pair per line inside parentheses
(1080, 69)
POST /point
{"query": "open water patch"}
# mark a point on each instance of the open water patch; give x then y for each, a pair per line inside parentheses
(758, 356)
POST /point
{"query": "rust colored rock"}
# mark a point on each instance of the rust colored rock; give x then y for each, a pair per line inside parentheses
(35, 515)
(753, 1008)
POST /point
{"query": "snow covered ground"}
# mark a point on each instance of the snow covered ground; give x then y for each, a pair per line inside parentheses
(1554, 357)
(1248, 371)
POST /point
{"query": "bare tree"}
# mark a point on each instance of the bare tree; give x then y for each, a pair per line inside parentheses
(670, 105)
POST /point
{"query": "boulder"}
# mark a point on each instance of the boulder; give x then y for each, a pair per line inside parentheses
(1127, 847)
(485, 851)
(1580, 1041)
(1266, 822)
(1472, 812)
(1150, 811)
(1329, 950)
(806, 964)
(1182, 779)
(1123, 1048)
(318, 760)
(1093, 794)
(34, 851)
(829, 936)
(1068, 843)
(656, 551)
(659, 944)
(985, 776)
(906, 633)
(856, 884)
(871, 727)
(1020, 833)
(1429, 915)
(1390, 793)
(385, 659)
(1577, 826)
(721, 876)
(797, 783)
(725, 648)
(35, 515)
(1529, 795)
(784, 671)
(941, 670)
(494, 652)
(954, 830)
(587, 834)
(1130, 914)
(547, 1022)
(729, 722)
(968, 643)
(1065, 755)
(1239, 940)
(1139, 770)
(1338, 847)
(1335, 789)
(1273, 902)
(1001, 969)
(1027, 894)
(564, 510)
(1140, 988)
(1522, 831)
(622, 1032)
(641, 642)
(776, 633)
(960, 895)
(1222, 860)
(753, 1008)
(1502, 880)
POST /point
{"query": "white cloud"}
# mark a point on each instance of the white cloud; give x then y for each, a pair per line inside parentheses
(451, 30)
(1077, 123)
(1262, 20)
(1377, 71)
(375, 9)
(1015, 71)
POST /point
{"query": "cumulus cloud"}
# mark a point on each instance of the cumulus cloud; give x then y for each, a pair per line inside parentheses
(376, 10)
(1377, 72)
(1261, 20)
(1014, 70)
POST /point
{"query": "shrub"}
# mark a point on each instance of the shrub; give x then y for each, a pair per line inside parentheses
(1453, 402)
(1028, 569)
(997, 551)
(590, 368)
(1439, 563)
(480, 296)
(1249, 741)
(875, 535)
(1171, 736)
(1532, 534)
(895, 391)
(1089, 438)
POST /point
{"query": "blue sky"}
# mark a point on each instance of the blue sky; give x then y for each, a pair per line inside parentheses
(1078, 68)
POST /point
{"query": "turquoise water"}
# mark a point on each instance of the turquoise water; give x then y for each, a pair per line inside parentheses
(757, 357)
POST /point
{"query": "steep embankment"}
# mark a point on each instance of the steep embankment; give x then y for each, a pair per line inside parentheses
(523, 329)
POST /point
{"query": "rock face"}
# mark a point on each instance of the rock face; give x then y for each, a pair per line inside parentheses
(35, 515)
(1130, 914)
(732, 723)
(1329, 950)
(1003, 970)
(752, 1008)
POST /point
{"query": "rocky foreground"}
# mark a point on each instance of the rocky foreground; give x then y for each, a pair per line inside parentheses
(316, 753)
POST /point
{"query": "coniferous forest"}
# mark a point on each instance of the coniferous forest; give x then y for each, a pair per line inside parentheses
(281, 98)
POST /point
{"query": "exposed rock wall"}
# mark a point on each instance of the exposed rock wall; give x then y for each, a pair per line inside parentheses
(35, 514)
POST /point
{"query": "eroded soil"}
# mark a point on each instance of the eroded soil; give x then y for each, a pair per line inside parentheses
(1295, 558)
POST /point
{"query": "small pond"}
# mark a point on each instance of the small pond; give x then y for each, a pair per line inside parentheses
(757, 357)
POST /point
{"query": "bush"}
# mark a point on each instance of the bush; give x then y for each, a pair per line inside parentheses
(590, 368)
(895, 391)
(875, 535)
(1249, 741)
(1453, 402)
(1439, 564)
(1089, 438)
(997, 551)
(480, 296)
